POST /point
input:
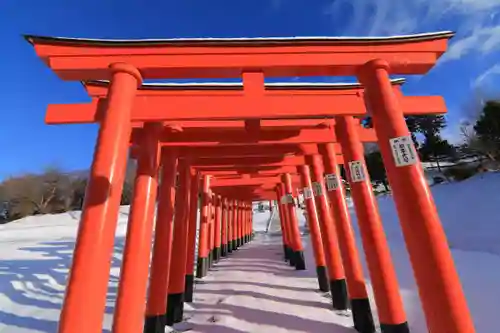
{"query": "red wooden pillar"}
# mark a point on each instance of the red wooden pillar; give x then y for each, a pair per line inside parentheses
(224, 227)
(241, 220)
(211, 208)
(360, 304)
(202, 263)
(85, 298)
(193, 226)
(294, 223)
(312, 221)
(338, 286)
(218, 222)
(248, 224)
(230, 216)
(251, 221)
(286, 225)
(132, 285)
(383, 277)
(160, 264)
(176, 287)
(284, 237)
(439, 286)
(234, 225)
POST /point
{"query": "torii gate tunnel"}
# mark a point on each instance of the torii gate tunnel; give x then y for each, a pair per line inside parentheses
(232, 144)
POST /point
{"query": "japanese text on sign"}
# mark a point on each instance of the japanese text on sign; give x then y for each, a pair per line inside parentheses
(403, 151)
(308, 193)
(357, 171)
(332, 182)
(317, 189)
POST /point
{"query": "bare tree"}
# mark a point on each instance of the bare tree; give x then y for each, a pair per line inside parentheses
(31, 194)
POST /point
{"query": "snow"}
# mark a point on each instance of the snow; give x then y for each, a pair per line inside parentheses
(254, 290)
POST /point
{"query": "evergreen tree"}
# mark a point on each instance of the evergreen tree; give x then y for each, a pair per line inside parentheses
(434, 147)
(376, 169)
(412, 123)
(487, 127)
(430, 125)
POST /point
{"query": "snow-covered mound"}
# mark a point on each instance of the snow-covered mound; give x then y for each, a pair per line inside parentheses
(35, 254)
(468, 211)
(469, 214)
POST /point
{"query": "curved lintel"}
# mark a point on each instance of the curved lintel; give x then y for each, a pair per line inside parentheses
(239, 85)
(203, 58)
(239, 41)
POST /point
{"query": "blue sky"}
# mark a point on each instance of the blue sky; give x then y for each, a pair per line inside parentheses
(467, 74)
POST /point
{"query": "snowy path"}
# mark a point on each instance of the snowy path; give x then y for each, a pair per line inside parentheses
(35, 254)
(254, 290)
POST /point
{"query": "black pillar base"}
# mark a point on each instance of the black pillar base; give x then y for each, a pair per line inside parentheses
(229, 247)
(322, 274)
(223, 252)
(189, 288)
(234, 244)
(395, 328)
(201, 267)
(362, 315)
(338, 289)
(214, 256)
(155, 324)
(207, 266)
(288, 253)
(300, 263)
(175, 309)
(217, 253)
(211, 258)
(291, 257)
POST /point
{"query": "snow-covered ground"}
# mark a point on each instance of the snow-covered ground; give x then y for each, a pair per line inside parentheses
(254, 290)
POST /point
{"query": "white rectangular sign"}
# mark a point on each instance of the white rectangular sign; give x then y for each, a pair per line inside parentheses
(317, 189)
(357, 171)
(332, 182)
(403, 151)
(308, 193)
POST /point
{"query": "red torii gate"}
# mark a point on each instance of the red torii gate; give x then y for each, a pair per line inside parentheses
(223, 102)
(79, 59)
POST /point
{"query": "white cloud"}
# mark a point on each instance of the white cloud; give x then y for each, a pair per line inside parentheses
(476, 22)
(483, 79)
(483, 40)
